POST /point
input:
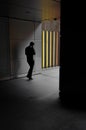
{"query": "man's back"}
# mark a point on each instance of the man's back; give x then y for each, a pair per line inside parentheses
(29, 51)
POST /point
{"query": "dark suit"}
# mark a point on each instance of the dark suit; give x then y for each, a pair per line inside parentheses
(29, 51)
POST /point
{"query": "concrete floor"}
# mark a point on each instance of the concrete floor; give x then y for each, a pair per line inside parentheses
(35, 105)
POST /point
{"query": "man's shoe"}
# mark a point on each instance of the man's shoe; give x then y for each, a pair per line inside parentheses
(30, 78)
(27, 76)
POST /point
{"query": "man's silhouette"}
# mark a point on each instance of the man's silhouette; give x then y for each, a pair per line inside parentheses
(29, 51)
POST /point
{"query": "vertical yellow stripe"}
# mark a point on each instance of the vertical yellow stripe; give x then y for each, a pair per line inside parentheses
(53, 48)
(50, 48)
(56, 48)
(43, 49)
(46, 49)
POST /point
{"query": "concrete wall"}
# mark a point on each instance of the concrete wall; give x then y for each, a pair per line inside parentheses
(4, 48)
(21, 34)
(15, 35)
(38, 37)
(51, 25)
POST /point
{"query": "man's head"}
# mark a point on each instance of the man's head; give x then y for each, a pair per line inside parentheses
(31, 43)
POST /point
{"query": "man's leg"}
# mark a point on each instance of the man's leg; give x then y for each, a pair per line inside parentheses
(31, 64)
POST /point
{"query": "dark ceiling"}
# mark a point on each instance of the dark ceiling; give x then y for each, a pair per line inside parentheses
(36, 10)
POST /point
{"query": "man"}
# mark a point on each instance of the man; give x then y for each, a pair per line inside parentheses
(29, 51)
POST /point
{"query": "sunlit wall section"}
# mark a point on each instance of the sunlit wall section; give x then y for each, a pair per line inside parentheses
(47, 48)
(56, 40)
(50, 42)
(51, 50)
(43, 49)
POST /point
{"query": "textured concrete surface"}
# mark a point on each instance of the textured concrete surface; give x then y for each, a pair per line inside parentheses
(35, 105)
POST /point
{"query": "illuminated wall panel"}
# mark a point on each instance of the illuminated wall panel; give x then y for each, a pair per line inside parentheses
(49, 49)
(53, 48)
(56, 48)
(43, 49)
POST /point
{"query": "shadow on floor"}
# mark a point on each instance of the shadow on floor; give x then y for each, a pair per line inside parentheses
(23, 109)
